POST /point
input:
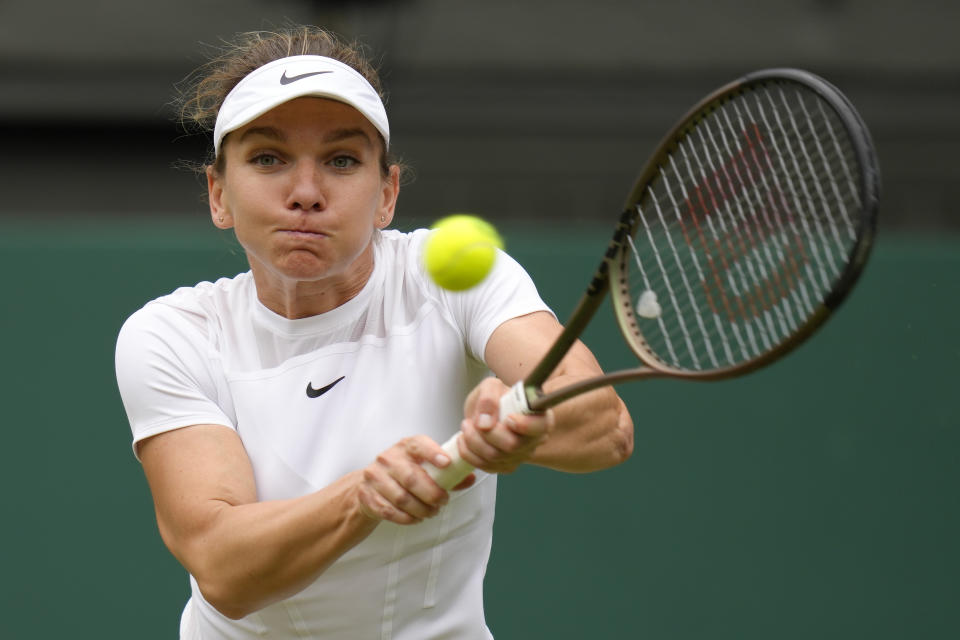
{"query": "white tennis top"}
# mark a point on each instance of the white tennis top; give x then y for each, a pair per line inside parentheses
(403, 354)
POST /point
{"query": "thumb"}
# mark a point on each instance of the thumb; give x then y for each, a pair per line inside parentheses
(483, 405)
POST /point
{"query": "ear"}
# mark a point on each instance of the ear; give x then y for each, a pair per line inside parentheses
(388, 198)
(219, 211)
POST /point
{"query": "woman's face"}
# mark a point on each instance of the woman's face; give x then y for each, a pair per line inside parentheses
(304, 192)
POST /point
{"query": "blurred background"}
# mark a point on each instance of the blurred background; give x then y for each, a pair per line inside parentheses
(817, 498)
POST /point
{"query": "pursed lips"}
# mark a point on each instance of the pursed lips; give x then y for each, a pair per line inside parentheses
(306, 233)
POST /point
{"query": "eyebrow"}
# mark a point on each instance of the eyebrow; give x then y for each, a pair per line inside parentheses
(336, 135)
(267, 132)
(344, 134)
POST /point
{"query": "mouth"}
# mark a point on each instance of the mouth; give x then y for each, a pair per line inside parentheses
(303, 233)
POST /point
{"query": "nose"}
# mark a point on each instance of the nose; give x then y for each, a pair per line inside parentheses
(306, 189)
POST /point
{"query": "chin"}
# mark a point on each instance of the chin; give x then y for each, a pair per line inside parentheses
(303, 265)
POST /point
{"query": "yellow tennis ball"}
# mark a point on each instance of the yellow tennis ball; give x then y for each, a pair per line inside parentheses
(461, 251)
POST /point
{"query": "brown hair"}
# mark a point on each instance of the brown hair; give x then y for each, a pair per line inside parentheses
(204, 92)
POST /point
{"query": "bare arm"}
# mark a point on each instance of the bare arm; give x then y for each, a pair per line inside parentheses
(589, 432)
(246, 554)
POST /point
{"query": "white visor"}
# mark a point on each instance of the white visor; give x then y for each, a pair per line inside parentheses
(287, 78)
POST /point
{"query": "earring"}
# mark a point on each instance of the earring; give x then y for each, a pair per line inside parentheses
(383, 219)
(220, 219)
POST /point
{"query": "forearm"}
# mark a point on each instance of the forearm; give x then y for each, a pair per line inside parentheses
(250, 555)
(246, 554)
(592, 431)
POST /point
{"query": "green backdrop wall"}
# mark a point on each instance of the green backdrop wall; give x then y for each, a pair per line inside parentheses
(816, 498)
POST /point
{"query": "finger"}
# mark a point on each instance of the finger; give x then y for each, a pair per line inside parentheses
(475, 447)
(485, 421)
(483, 403)
(420, 489)
(499, 451)
(398, 476)
(408, 471)
(376, 507)
(504, 440)
(466, 483)
(405, 496)
(534, 425)
(423, 449)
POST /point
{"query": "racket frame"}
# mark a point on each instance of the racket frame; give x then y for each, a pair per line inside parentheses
(611, 274)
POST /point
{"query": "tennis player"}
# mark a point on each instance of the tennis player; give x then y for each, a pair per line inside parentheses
(282, 416)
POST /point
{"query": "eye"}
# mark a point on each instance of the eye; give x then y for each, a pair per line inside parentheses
(264, 160)
(344, 162)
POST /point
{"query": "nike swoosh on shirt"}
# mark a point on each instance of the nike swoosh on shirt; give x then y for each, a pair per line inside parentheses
(316, 393)
(285, 79)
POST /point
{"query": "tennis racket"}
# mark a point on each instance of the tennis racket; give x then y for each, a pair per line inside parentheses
(747, 228)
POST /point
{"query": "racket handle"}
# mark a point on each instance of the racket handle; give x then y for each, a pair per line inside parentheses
(513, 401)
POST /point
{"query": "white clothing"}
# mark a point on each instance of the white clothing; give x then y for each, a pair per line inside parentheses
(408, 353)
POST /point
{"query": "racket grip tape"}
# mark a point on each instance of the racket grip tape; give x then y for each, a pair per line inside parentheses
(512, 402)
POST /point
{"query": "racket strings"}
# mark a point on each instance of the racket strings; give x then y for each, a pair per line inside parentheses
(782, 198)
(738, 281)
(747, 225)
(762, 260)
(800, 166)
(754, 267)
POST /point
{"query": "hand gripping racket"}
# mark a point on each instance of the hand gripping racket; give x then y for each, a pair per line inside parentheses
(747, 228)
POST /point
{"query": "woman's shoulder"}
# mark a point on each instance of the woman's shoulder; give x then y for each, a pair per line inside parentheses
(407, 244)
(399, 252)
(197, 305)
